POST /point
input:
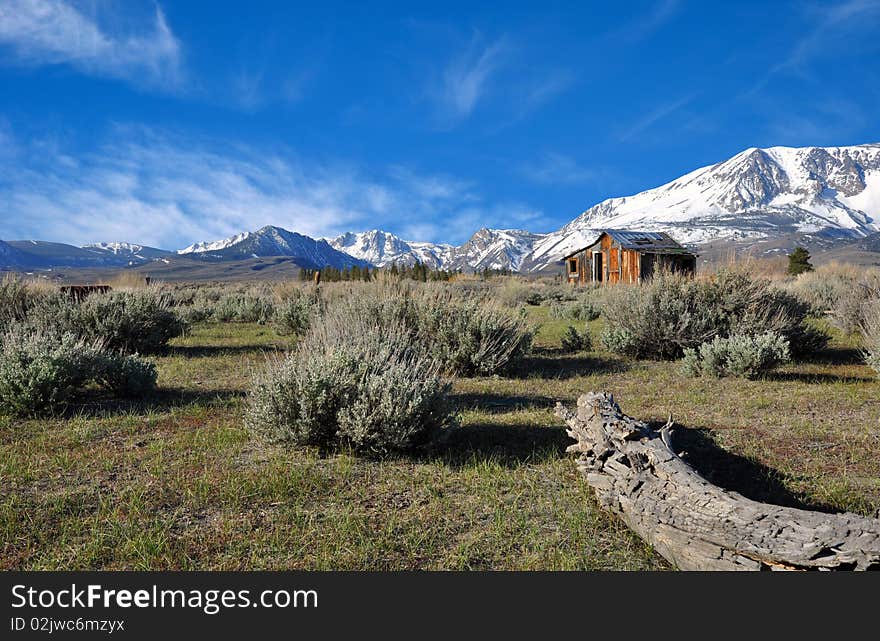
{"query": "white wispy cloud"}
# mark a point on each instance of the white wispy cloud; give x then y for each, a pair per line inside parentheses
(169, 190)
(247, 89)
(834, 30)
(528, 95)
(645, 24)
(551, 168)
(834, 23)
(497, 74)
(828, 121)
(654, 116)
(465, 80)
(554, 83)
(57, 32)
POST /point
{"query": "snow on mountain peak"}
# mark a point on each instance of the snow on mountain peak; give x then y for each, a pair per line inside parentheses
(216, 245)
(116, 247)
(756, 194)
(383, 248)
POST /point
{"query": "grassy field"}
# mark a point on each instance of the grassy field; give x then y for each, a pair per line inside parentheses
(175, 482)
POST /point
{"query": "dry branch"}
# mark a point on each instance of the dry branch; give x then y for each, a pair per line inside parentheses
(697, 525)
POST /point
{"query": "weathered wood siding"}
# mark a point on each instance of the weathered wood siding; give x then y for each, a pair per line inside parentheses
(629, 272)
(620, 265)
(612, 258)
(583, 268)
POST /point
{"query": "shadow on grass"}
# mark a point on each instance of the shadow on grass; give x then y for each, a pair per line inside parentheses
(207, 351)
(98, 404)
(559, 365)
(508, 445)
(835, 356)
(499, 403)
(752, 479)
(816, 377)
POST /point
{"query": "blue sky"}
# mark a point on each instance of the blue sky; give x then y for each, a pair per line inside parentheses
(170, 122)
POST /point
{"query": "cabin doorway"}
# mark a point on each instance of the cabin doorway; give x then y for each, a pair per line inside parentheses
(598, 271)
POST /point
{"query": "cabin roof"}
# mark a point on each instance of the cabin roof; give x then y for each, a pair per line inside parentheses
(646, 242)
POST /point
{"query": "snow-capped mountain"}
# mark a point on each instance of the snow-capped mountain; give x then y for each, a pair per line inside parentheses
(758, 194)
(128, 253)
(40, 254)
(381, 248)
(486, 249)
(274, 241)
(493, 249)
(216, 245)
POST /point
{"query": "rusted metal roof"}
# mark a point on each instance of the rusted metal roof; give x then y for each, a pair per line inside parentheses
(648, 242)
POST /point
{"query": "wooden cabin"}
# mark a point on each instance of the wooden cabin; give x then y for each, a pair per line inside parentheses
(619, 256)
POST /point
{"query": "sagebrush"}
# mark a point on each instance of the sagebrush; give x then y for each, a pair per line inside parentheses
(672, 312)
(138, 321)
(582, 309)
(352, 382)
(870, 328)
(743, 356)
(294, 314)
(576, 341)
(466, 333)
(40, 370)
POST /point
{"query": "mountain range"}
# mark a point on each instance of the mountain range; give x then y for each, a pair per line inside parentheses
(825, 196)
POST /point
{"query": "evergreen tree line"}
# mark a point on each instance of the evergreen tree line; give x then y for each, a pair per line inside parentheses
(334, 274)
(417, 271)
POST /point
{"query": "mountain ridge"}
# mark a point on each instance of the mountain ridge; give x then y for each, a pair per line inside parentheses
(270, 240)
(759, 194)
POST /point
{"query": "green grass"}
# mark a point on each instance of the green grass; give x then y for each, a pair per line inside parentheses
(175, 482)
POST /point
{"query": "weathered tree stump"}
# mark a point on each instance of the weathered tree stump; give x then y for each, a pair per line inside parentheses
(694, 524)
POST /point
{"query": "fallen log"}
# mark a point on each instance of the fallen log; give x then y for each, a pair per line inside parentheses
(695, 525)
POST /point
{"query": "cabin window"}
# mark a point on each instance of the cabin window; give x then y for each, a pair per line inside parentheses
(572, 266)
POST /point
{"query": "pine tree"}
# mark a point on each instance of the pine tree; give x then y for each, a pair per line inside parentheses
(799, 261)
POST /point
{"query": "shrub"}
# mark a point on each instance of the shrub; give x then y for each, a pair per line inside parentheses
(294, 314)
(618, 340)
(16, 299)
(139, 321)
(853, 307)
(516, 293)
(583, 309)
(125, 374)
(823, 289)
(195, 313)
(243, 308)
(671, 313)
(465, 333)
(659, 318)
(575, 341)
(558, 293)
(870, 328)
(753, 306)
(351, 381)
(471, 337)
(401, 402)
(40, 370)
(739, 355)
